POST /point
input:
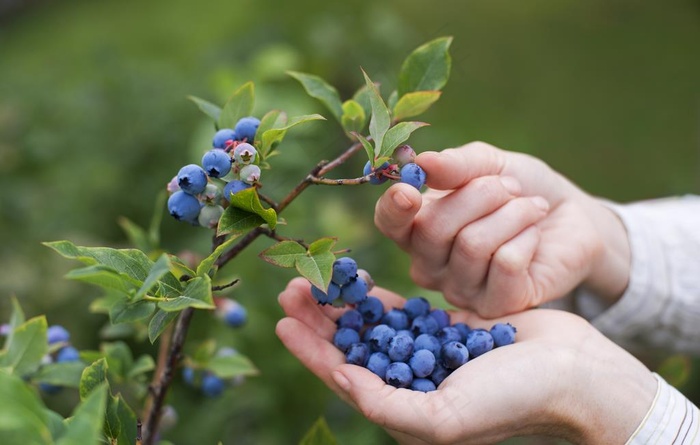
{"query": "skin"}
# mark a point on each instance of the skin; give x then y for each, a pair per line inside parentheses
(561, 378)
(498, 232)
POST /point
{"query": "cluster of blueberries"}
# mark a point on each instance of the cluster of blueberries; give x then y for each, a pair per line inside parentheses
(197, 199)
(62, 352)
(402, 168)
(206, 381)
(413, 347)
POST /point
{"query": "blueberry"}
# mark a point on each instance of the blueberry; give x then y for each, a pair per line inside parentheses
(234, 187)
(377, 178)
(351, 319)
(503, 334)
(50, 389)
(453, 355)
(357, 354)
(400, 348)
(363, 274)
(439, 374)
(223, 138)
(399, 374)
(413, 175)
(354, 292)
(416, 307)
(378, 363)
(406, 332)
(244, 153)
(192, 179)
(403, 154)
(188, 375)
(428, 342)
(327, 297)
(212, 386)
(209, 216)
(422, 363)
(464, 330)
(396, 318)
(380, 337)
(57, 334)
(441, 316)
(183, 207)
(479, 341)
(67, 354)
(371, 309)
(424, 385)
(235, 315)
(344, 338)
(246, 127)
(344, 269)
(250, 174)
(424, 324)
(216, 163)
(448, 334)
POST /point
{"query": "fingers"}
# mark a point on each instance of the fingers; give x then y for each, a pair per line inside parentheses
(454, 168)
(297, 302)
(394, 212)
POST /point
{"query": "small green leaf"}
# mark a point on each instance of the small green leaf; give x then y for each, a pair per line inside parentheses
(23, 417)
(204, 352)
(272, 119)
(127, 421)
(274, 136)
(197, 295)
(393, 98)
(112, 426)
(55, 424)
(85, 426)
(142, 365)
(369, 150)
(283, 254)
(414, 103)
(119, 358)
(427, 67)
(16, 319)
(123, 311)
(138, 237)
(92, 377)
(239, 105)
(361, 96)
(158, 323)
(105, 277)
(321, 90)
(27, 347)
(159, 269)
(60, 374)
(322, 245)
(231, 366)
(397, 135)
(380, 120)
(316, 268)
(156, 219)
(236, 221)
(179, 269)
(207, 264)
(319, 434)
(354, 117)
(211, 110)
(253, 215)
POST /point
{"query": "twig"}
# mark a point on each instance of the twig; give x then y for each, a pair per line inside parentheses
(224, 286)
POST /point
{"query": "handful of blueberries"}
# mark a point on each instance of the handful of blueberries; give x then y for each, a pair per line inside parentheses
(413, 347)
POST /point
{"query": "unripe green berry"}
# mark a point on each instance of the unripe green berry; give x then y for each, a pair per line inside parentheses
(209, 216)
(250, 174)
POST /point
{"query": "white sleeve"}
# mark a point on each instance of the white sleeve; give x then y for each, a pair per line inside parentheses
(671, 420)
(661, 305)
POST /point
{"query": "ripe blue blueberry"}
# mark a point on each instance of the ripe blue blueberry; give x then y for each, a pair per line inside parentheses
(354, 292)
(223, 138)
(234, 187)
(50, 389)
(380, 338)
(188, 375)
(378, 363)
(67, 354)
(448, 334)
(371, 309)
(192, 179)
(453, 355)
(441, 316)
(351, 319)
(396, 318)
(209, 216)
(424, 324)
(439, 374)
(503, 334)
(344, 338)
(183, 206)
(479, 341)
(422, 363)
(429, 343)
(327, 297)
(246, 127)
(212, 385)
(244, 153)
(406, 332)
(413, 175)
(344, 269)
(357, 354)
(416, 307)
(57, 334)
(234, 314)
(463, 329)
(399, 374)
(377, 178)
(424, 385)
(400, 348)
(216, 163)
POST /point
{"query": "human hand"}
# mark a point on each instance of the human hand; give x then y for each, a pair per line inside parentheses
(498, 232)
(561, 378)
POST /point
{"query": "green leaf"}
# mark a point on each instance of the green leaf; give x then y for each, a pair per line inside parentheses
(27, 347)
(179, 269)
(207, 264)
(427, 67)
(112, 426)
(272, 119)
(138, 237)
(283, 254)
(158, 323)
(204, 352)
(369, 150)
(321, 90)
(397, 135)
(231, 366)
(354, 117)
(123, 311)
(16, 319)
(156, 219)
(322, 245)
(119, 358)
(393, 98)
(361, 96)
(244, 213)
(60, 374)
(159, 269)
(380, 120)
(319, 434)
(197, 295)
(142, 365)
(127, 422)
(239, 105)
(93, 377)
(55, 424)
(414, 103)
(23, 417)
(105, 277)
(211, 110)
(316, 268)
(85, 426)
(275, 135)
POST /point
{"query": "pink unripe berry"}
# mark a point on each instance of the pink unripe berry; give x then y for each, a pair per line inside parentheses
(404, 154)
(173, 186)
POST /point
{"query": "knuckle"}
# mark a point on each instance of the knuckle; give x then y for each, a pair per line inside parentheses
(471, 243)
(510, 260)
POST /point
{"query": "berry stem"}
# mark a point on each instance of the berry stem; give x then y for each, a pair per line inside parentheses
(224, 286)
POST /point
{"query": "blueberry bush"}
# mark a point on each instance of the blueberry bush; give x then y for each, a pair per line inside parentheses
(122, 395)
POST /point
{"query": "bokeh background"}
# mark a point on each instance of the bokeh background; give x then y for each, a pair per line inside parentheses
(94, 121)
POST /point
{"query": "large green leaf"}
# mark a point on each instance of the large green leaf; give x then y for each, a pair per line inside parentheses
(283, 254)
(317, 265)
(271, 119)
(319, 434)
(275, 135)
(23, 418)
(414, 103)
(104, 276)
(60, 374)
(93, 376)
(367, 145)
(27, 347)
(159, 322)
(427, 67)
(85, 426)
(380, 121)
(354, 117)
(244, 213)
(397, 135)
(230, 366)
(124, 311)
(208, 108)
(142, 365)
(159, 269)
(318, 88)
(239, 105)
(197, 295)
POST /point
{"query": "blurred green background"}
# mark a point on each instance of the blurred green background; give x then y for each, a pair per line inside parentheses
(94, 121)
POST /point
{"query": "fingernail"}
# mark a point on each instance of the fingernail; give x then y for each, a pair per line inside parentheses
(511, 184)
(540, 203)
(341, 381)
(401, 201)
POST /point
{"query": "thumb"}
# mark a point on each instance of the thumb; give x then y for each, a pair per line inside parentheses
(454, 167)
